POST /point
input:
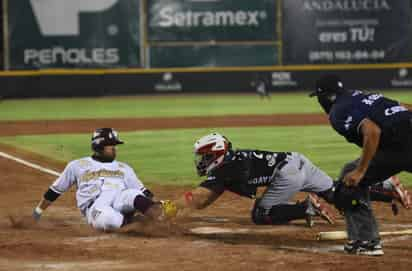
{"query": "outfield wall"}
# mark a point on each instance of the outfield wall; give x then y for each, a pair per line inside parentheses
(130, 82)
(100, 47)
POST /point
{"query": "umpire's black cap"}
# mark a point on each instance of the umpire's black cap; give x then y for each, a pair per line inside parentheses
(330, 83)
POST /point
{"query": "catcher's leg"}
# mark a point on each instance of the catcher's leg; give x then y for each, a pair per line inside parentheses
(317, 182)
(274, 206)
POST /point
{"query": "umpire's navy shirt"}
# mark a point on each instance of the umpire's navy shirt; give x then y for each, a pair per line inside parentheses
(351, 108)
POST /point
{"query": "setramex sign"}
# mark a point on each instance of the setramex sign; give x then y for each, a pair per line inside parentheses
(177, 20)
(170, 18)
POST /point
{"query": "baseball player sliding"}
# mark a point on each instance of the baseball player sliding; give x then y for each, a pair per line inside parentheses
(108, 191)
(283, 174)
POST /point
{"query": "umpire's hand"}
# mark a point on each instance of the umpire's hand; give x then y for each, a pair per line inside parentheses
(353, 178)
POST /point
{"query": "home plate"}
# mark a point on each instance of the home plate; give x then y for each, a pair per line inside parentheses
(217, 230)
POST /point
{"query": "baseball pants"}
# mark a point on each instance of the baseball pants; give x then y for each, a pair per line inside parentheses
(299, 174)
(360, 221)
(109, 209)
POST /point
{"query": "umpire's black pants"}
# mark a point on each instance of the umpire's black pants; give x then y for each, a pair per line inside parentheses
(360, 221)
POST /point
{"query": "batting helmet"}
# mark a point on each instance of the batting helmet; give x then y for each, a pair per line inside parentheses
(210, 152)
(104, 137)
(327, 89)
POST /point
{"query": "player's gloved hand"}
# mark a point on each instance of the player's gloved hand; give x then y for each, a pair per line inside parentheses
(169, 208)
(37, 214)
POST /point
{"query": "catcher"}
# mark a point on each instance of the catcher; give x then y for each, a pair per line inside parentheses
(283, 174)
(108, 192)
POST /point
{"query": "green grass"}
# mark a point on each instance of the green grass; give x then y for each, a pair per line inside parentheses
(162, 106)
(166, 157)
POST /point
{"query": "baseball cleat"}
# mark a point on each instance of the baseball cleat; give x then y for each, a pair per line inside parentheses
(316, 208)
(400, 193)
(309, 221)
(351, 246)
(366, 248)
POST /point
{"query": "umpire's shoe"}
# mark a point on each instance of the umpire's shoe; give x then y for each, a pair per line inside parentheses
(316, 208)
(367, 248)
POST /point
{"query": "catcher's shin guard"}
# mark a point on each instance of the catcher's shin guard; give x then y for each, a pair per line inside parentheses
(278, 214)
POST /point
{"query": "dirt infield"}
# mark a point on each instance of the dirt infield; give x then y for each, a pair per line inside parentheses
(10, 128)
(63, 241)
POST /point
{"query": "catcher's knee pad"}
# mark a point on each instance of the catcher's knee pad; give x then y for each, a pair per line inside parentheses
(105, 218)
(259, 215)
(278, 214)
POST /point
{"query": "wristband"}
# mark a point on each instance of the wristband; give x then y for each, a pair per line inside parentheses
(38, 210)
(37, 213)
(188, 197)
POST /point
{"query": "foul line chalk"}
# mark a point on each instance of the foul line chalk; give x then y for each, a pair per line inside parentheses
(29, 164)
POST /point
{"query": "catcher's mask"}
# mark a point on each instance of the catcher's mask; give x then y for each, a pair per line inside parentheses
(328, 87)
(104, 137)
(210, 152)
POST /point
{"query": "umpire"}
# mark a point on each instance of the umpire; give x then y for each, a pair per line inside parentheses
(383, 129)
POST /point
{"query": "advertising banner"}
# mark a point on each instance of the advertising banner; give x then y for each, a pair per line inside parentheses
(1, 37)
(75, 33)
(346, 31)
(213, 56)
(217, 20)
(197, 82)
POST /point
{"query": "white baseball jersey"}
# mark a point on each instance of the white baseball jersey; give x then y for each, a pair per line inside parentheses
(92, 177)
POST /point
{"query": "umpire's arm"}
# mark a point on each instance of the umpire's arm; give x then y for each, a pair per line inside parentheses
(371, 137)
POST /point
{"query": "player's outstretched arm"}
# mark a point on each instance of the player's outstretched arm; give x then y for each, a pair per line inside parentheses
(40, 208)
(49, 197)
(198, 198)
(371, 137)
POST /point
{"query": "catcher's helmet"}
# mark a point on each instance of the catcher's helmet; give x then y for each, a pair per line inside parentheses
(210, 152)
(327, 89)
(104, 137)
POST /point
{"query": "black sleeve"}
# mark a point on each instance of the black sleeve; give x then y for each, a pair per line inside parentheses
(50, 195)
(213, 184)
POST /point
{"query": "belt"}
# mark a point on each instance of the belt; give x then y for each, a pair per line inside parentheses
(284, 161)
(281, 164)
